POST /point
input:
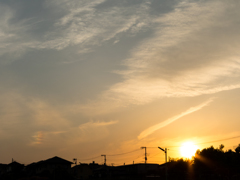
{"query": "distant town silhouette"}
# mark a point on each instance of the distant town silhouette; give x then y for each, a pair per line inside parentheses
(207, 164)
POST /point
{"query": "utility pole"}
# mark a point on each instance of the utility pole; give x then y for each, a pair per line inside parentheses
(165, 151)
(145, 154)
(105, 159)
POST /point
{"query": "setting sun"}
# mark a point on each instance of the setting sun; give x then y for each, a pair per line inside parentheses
(188, 149)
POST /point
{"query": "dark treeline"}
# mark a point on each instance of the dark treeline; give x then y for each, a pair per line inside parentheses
(209, 163)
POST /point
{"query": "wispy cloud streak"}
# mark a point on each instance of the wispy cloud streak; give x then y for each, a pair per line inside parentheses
(38, 138)
(154, 128)
(96, 124)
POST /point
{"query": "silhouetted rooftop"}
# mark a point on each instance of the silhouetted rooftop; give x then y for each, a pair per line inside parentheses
(14, 163)
(3, 165)
(53, 160)
(57, 160)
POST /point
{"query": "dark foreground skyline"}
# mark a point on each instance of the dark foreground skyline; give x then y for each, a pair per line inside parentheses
(209, 163)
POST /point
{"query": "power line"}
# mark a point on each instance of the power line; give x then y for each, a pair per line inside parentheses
(154, 154)
(90, 158)
(221, 140)
(124, 153)
(110, 155)
(214, 141)
(134, 159)
(205, 142)
(157, 147)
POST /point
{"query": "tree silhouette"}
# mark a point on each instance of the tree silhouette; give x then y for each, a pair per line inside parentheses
(237, 150)
(214, 163)
(208, 164)
(178, 169)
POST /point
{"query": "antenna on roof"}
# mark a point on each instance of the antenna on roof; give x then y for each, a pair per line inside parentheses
(75, 161)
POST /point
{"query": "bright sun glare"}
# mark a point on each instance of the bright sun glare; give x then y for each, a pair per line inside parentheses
(188, 149)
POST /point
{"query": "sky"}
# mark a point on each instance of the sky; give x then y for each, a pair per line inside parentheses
(81, 78)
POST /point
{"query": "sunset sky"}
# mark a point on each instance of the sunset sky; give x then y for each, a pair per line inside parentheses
(83, 78)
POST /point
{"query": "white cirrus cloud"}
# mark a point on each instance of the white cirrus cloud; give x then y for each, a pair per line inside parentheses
(193, 51)
(156, 127)
(74, 23)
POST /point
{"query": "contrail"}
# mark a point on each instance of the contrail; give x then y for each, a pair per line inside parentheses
(152, 129)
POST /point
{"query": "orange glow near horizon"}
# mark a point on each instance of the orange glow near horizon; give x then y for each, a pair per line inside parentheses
(188, 149)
